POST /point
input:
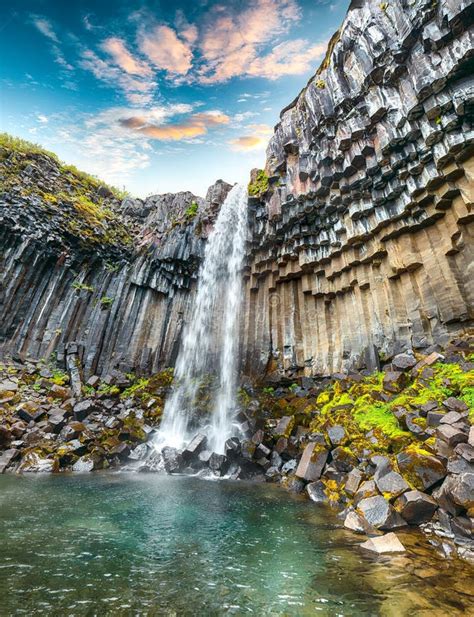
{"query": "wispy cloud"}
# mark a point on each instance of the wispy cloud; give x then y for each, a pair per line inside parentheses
(45, 27)
(232, 41)
(166, 50)
(256, 138)
(138, 90)
(122, 57)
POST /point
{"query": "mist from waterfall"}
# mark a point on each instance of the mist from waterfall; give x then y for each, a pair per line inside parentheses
(210, 338)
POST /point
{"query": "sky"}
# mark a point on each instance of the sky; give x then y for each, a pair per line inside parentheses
(155, 96)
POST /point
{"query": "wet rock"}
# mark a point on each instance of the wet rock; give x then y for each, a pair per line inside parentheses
(272, 474)
(337, 435)
(122, 450)
(33, 462)
(258, 437)
(295, 485)
(172, 460)
(139, 453)
(281, 445)
(420, 468)
(416, 507)
(343, 459)
(276, 460)
(365, 490)
(284, 427)
(83, 464)
(312, 462)
(83, 409)
(353, 480)
(262, 451)
(194, 447)
(232, 448)
(404, 361)
(218, 464)
(316, 492)
(7, 457)
(204, 457)
(390, 483)
(379, 513)
(357, 523)
(5, 436)
(289, 466)
(456, 494)
(388, 543)
(451, 435)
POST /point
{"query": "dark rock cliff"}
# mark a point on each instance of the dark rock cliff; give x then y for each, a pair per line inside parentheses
(363, 241)
(78, 265)
(361, 225)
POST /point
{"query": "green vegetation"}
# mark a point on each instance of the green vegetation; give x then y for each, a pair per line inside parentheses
(191, 210)
(320, 84)
(60, 378)
(106, 302)
(260, 185)
(82, 287)
(22, 146)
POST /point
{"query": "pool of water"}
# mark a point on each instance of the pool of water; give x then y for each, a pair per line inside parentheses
(123, 544)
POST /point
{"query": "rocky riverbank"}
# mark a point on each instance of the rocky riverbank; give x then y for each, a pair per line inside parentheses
(388, 449)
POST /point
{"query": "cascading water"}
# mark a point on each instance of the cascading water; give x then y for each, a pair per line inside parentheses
(210, 340)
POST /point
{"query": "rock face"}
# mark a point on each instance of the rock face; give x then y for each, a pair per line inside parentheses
(361, 244)
(113, 277)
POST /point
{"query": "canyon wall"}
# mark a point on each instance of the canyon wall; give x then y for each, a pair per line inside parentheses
(115, 290)
(362, 244)
(360, 239)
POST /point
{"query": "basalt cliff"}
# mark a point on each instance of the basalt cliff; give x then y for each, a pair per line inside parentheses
(360, 238)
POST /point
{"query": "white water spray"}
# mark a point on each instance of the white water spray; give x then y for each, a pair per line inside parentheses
(210, 339)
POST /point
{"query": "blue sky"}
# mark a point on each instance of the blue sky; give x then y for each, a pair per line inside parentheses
(158, 96)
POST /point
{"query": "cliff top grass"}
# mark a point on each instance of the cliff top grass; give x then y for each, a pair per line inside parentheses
(81, 207)
(10, 143)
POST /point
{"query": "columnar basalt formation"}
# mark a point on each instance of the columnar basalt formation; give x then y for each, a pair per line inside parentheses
(363, 242)
(77, 265)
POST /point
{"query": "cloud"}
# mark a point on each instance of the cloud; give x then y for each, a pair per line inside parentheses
(257, 138)
(289, 58)
(187, 128)
(45, 27)
(116, 48)
(165, 50)
(138, 90)
(231, 42)
(42, 118)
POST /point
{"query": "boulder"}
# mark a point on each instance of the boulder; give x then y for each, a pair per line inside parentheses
(343, 459)
(388, 543)
(248, 450)
(403, 361)
(312, 462)
(172, 459)
(139, 453)
(366, 489)
(466, 451)
(379, 513)
(451, 435)
(7, 457)
(316, 492)
(433, 418)
(83, 409)
(8, 385)
(416, 507)
(353, 480)
(218, 464)
(451, 417)
(261, 451)
(390, 483)
(284, 427)
(456, 494)
(194, 447)
(394, 381)
(5, 436)
(258, 437)
(420, 468)
(355, 522)
(232, 448)
(83, 464)
(204, 457)
(455, 404)
(337, 435)
(289, 466)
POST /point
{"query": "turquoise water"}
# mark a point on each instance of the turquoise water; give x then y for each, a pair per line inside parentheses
(120, 544)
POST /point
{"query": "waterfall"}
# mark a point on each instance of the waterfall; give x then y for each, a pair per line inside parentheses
(210, 338)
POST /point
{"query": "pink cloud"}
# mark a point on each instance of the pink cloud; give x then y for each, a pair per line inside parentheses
(192, 126)
(289, 58)
(116, 48)
(166, 50)
(257, 138)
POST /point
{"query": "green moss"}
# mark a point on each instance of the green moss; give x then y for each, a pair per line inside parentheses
(60, 378)
(82, 287)
(260, 185)
(372, 415)
(192, 210)
(106, 302)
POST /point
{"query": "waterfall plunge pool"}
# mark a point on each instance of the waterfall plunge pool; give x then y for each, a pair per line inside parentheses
(151, 544)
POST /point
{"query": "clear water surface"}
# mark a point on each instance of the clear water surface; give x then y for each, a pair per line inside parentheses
(123, 544)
